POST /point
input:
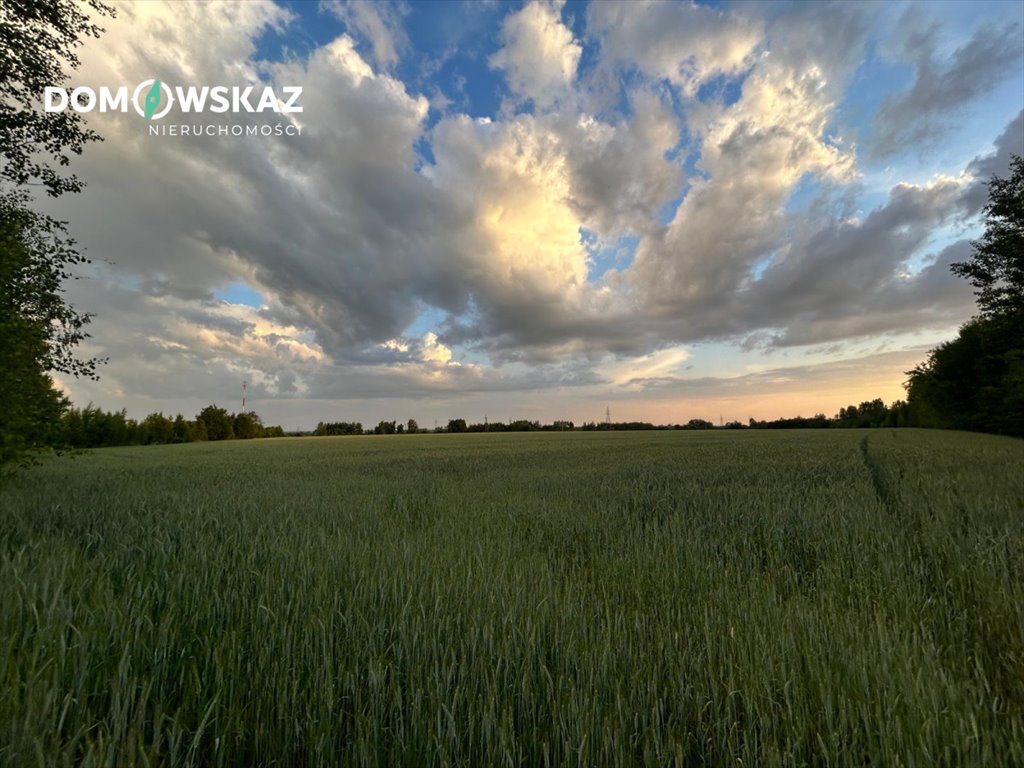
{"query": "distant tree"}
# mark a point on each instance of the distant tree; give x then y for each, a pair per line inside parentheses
(157, 428)
(102, 428)
(247, 425)
(873, 413)
(524, 425)
(338, 428)
(197, 430)
(698, 424)
(457, 425)
(218, 423)
(412, 427)
(900, 414)
(72, 429)
(180, 431)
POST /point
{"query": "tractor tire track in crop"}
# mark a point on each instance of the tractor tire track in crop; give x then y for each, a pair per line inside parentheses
(887, 496)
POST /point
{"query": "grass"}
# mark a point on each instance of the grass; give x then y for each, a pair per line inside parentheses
(745, 598)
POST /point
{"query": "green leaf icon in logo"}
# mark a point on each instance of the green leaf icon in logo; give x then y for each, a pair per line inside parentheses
(152, 99)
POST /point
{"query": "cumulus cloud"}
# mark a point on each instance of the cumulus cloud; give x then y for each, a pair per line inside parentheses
(754, 152)
(521, 256)
(337, 225)
(683, 43)
(433, 351)
(539, 55)
(379, 23)
(621, 174)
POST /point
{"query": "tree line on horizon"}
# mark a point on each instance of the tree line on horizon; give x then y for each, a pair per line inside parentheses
(869, 414)
(92, 427)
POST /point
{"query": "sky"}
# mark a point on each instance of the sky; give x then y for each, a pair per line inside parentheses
(539, 210)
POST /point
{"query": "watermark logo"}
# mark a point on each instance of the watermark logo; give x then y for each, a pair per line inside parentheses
(154, 100)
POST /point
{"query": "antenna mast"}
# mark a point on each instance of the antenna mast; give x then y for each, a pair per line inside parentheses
(245, 384)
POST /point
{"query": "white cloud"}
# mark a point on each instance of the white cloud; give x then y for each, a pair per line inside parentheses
(377, 21)
(512, 182)
(433, 351)
(754, 151)
(640, 370)
(684, 43)
(620, 174)
(539, 56)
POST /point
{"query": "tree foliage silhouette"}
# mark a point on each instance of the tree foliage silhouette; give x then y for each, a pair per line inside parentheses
(39, 330)
(976, 381)
(996, 268)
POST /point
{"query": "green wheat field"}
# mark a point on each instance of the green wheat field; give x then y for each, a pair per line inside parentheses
(841, 598)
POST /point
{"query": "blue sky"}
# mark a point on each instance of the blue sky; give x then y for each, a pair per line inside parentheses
(544, 207)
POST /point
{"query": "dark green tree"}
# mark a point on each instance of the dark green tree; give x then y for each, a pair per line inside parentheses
(217, 422)
(698, 424)
(384, 428)
(38, 330)
(996, 268)
(181, 432)
(197, 431)
(37, 48)
(976, 381)
(157, 428)
(247, 425)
